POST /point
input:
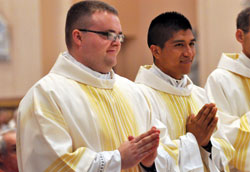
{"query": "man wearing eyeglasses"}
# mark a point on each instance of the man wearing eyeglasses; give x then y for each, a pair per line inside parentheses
(82, 116)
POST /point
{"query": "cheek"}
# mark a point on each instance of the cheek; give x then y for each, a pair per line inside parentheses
(164, 61)
(104, 46)
(194, 51)
(96, 50)
(96, 44)
(119, 48)
(247, 46)
(12, 159)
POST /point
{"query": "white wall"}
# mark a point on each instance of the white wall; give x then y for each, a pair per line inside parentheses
(37, 36)
(24, 68)
(216, 32)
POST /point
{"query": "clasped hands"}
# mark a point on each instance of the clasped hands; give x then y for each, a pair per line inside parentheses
(203, 124)
(142, 148)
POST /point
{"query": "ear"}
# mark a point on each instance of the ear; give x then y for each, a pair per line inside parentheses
(239, 35)
(156, 51)
(77, 37)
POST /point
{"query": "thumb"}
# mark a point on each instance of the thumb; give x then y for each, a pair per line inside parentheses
(190, 118)
(130, 138)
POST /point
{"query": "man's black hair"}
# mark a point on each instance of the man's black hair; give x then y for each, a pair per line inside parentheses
(242, 21)
(164, 26)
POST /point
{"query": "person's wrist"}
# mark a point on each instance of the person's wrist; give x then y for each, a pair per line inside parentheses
(208, 147)
(148, 169)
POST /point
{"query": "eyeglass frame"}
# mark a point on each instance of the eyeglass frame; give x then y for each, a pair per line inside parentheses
(110, 35)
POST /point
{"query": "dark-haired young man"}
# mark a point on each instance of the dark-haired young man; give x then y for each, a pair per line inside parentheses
(229, 87)
(175, 99)
(82, 116)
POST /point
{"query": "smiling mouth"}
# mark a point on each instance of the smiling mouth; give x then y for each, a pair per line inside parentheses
(186, 61)
(111, 51)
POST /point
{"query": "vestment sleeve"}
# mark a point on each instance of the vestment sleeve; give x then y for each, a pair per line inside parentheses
(237, 131)
(184, 152)
(216, 93)
(221, 152)
(181, 154)
(235, 127)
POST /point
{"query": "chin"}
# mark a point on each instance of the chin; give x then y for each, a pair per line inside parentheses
(185, 72)
(112, 62)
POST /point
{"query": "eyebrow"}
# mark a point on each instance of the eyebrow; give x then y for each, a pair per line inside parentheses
(180, 41)
(113, 31)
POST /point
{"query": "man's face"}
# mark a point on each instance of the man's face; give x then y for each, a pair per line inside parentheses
(176, 57)
(10, 160)
(98, 52)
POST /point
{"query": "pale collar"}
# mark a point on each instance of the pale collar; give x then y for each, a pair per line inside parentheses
(151, 79)
(70, 70)
(87, 69)
(174, 82)
(235, 62)
(244, 60)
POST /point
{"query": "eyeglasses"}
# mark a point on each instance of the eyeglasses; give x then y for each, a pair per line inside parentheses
(110, 35)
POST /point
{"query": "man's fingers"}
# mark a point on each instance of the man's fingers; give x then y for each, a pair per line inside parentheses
(206, 112)
(190, 118)
(140, 137)
(149, 139)
(210, 117)
(200, 113)
(149, 146)
(212, 114)
(212, 126)
(148, 150)
(133, 152)
(130, 138)
(146, 134)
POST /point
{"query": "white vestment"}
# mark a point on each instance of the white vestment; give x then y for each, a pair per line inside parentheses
(229, 87)
(71, 120)
(172, 105)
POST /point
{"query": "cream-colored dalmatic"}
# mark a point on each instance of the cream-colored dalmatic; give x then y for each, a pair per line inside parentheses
(229, 87)
(71, 120)
(172, 102)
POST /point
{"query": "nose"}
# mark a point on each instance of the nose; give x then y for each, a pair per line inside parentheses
(189, 51)
(116, 42)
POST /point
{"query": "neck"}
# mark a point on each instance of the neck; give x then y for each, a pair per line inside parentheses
(246, 54)
(80, 59)
(168, 72)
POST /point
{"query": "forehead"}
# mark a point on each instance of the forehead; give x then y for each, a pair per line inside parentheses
(104, 20)
(182, 35)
